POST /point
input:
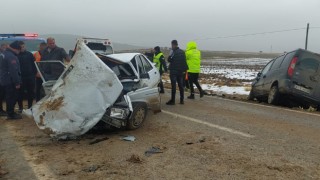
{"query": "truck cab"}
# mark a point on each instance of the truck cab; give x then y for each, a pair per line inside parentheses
(97, 45)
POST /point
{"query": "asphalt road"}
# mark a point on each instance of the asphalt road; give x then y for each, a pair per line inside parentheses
(207, 138)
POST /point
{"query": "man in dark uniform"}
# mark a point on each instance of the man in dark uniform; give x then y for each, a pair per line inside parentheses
(10, 77)
(3, 47)
(178, 65)
(28, 76)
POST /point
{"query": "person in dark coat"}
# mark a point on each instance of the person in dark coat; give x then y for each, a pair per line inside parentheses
(3, 47)
(178, 66)
(10, 77)
(28, 77)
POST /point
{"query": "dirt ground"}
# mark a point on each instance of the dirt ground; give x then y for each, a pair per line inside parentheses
(184, 151)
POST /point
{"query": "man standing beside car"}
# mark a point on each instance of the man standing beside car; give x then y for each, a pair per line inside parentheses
(178, 66)
(53, 52)
(160, 63)
(3, 47)
(37, 56)
(10, 77)
(28, 76)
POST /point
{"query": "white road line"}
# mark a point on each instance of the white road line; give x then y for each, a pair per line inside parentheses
(209, 124)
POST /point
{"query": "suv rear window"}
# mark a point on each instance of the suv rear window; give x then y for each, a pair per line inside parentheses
(308, 62)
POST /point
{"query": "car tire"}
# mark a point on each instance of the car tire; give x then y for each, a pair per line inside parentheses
(250, 96)
(138, 116)
(273, 97)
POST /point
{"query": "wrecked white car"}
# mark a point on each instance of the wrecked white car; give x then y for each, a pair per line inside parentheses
(116, 89)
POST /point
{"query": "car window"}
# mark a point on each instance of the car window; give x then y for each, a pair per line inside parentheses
(134, 63)
(277, 63)
(287, 59)
(122, 70)
(308, 64)
(50, 70)
(267, 67)
(146, 64)
(140, 65)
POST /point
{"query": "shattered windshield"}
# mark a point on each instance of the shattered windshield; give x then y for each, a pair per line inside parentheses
(122, 70)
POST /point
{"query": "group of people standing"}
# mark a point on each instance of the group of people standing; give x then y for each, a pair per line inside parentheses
(183, 66)
(18, 74)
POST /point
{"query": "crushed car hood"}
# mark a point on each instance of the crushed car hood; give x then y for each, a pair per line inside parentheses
(79, 98)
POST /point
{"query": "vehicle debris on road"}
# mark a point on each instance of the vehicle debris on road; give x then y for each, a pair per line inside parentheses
(129, 138)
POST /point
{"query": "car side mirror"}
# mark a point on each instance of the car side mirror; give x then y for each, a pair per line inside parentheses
(259, 74)
(144, 76)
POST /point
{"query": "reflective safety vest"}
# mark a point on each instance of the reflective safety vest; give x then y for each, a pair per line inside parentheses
(37, 56)
(156, 59)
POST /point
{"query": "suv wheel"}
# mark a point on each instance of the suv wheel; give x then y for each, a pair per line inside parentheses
(250, 96)
(140, 110)
(273, 97)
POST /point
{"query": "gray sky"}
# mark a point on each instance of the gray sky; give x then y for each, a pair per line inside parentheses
(151, 22)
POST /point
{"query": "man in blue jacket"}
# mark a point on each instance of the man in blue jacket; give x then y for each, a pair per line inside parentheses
(10, 77)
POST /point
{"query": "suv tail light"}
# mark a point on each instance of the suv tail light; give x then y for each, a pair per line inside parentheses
(292, 66)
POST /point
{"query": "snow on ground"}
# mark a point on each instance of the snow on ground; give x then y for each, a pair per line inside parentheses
(229, 76)
(243, 69)
(225, 89)
(247, 74)
(238, 61)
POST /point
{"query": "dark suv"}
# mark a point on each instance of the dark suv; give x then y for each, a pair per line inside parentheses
(293, 75)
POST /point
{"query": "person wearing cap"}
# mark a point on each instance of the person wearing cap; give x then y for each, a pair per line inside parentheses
(28, 77)
(161, 65)
(10, 77)
(178, 66)
(193, 56)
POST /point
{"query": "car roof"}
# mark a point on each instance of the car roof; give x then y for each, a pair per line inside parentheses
(123, 57)
(20, 38)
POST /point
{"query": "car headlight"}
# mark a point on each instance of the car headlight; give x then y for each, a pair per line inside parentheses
(119, 113)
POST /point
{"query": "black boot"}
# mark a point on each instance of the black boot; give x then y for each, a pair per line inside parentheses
(201, 94)
(171, 102)
(191, 96)
(14, 116)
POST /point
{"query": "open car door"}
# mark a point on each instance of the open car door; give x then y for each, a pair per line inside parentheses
(79, 97)
(49, 71)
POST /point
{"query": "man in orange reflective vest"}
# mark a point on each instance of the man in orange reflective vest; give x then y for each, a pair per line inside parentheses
(37, 57)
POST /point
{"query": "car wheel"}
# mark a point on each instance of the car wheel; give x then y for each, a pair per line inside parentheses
(250, 96)
(140, 110)
(273, 97)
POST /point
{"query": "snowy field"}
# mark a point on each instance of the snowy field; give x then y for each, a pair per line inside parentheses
(230, 76)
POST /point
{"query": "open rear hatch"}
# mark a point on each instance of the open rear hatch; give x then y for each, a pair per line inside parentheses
(79, 97)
